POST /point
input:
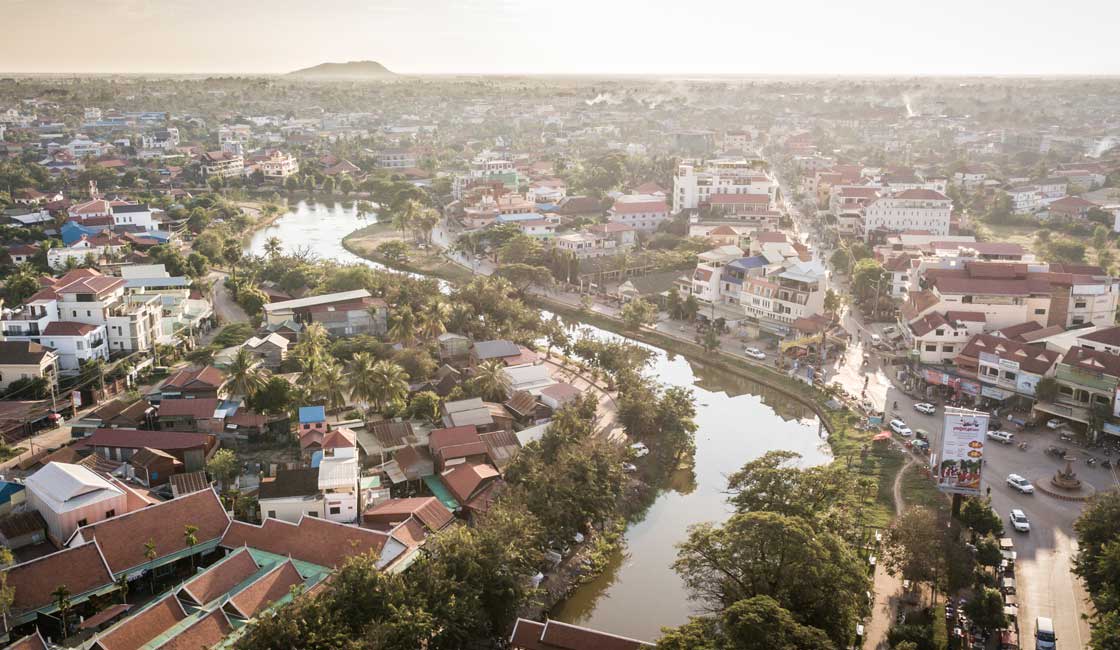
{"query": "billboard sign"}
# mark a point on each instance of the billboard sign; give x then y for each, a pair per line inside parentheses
(962, 451)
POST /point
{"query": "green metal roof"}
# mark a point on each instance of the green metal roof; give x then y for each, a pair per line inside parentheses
(440, 491)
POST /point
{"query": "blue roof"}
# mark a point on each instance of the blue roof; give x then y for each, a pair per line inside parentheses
(310, 414)
(547, 207)
(166, 283)
(316, 458)
(72, 232)
(755, 262)
(520, 216)
(8, 489)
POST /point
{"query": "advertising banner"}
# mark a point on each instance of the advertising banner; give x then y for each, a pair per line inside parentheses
(962, 451)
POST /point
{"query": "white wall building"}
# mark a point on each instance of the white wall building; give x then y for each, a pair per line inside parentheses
(923, 210)
(694, 182)
(643, 212)
(279, 165)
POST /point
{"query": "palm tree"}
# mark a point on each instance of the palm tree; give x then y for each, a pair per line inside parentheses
(489, 380)
(425, 221)
(245, 376)
(360, 378)
(122, 587)
(403, 328)
(273, 247)
(61, 595)
(150, 554)
(388, 384)
(332, 386)
(190, 538)
(433, 318)
(406, 215)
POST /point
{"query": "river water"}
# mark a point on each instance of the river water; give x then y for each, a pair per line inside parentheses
(738, 420)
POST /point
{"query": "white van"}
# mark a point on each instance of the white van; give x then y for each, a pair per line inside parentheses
(1044, 637)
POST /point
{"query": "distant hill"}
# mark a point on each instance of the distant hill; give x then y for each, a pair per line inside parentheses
(349, 70)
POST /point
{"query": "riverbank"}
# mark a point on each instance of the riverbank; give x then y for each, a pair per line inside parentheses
(364, 242)
(847, 442)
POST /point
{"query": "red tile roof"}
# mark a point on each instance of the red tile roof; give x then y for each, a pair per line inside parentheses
(740, 199)
(264, 591)
(1093, 361)
(634, 207)
(33, 641)
(62, 328)
(138, 630)
(440, 439)
(135, 439)
(195, 378)
(200, 409)
(465, 479)
(312, 540)
(122, 538)
(921, 195)
(218, 579)
(81, 568)
(554, 635)
(433, 514)
(206, 633)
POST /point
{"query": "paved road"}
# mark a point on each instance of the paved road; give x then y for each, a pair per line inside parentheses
(226, 309)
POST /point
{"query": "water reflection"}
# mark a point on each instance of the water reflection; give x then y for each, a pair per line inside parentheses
(738, 420)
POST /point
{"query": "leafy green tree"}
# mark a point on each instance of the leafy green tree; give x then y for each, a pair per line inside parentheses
(907, 544)
(393, 250)
(223, 466)
(425, 405)
(273, 397)
(521, 249)
(986, 609)
(1047, 389)
(691, 307)
(977, 514)
(388, 383)
(639, 312)
(61, 596)
(488, 381)
(7, 592)
(676, 426)
(1098, 557)
(21, 285)
(190, 538)
(402, 325)
(523, 276)
(813, 574)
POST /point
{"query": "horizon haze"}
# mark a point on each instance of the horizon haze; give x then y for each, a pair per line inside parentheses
(511, 37)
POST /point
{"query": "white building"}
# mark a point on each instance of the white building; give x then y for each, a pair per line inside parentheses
(922, 210)
(1025, 199)
(160, 140)
(797, 291)
(71, 496)
(239, 133)
(76, 343)
(222, 164)
(938, 338)
(694, 182)
(338, 475)
(279, 165)
(643, 212)
(134, 215)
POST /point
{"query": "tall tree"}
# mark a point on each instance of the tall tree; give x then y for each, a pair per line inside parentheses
(489, 380)
(61, 595)
(389, 384)
(245, 375)
(190, 538)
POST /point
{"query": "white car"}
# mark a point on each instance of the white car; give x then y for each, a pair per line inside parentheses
(1055, 423)
(1019, 521)
(1019, 483)
(899, 427)
(925, 407)
(1005, 437)
(876, 339)
(755, 353)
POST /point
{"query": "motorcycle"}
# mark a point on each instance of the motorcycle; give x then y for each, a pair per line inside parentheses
(1090, 461)
(1022, 446)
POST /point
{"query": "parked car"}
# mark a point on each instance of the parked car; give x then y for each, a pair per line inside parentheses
(876, 339)
(921, 445)
(925, 407)
(921, 434)
(1005, 437)
(1055, 423)
(899, 427)
(1019, 521)
(1019, 483)
(640, 449)
(755, 353)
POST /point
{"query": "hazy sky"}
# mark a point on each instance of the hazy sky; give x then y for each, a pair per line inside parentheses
(565, 36)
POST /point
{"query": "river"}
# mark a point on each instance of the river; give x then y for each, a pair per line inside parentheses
(738, 421)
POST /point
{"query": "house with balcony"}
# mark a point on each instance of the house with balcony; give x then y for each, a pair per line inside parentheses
(338, 475)
(222, 164)
(938, 338)
(278, 165)
(796, 291)
(1087, 381)
(1006, 368)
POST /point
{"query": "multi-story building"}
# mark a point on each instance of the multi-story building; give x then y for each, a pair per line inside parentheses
(1065, 295)
(160, 140)
(696, 182)
(127, 322)
(938, 338)
(921, 210)
(643, 212)
(279, 165)
(1005, 368)
(26, 360)
(239, 133)
(138, 216)
(796, 291)
(403, 158)
(1025, 199)
(1087, 383)
(222, 164)
(486, 171)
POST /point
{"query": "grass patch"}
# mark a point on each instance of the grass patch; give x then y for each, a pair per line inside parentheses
(7, 452)
(919, 490)
(363, 242)
(890, 462)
